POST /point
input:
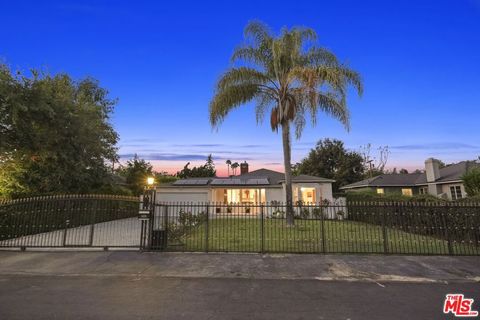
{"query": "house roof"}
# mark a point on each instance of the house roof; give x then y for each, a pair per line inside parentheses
(449, 173)
(260, 177)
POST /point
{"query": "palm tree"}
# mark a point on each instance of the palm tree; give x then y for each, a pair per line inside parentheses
(235, 165)
(288, 76)
(228, 162)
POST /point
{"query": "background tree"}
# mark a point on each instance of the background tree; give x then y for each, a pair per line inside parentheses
(289, 77)
(229, 163)
(207, 170)
(55, 134)
(471, 181)
(235, 165)
(403, 171)
(374, 164)
(136, 172)
(164, 177)
(330, 159)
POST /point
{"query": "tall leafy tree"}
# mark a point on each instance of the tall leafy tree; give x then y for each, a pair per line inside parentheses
(55, 134)
(136, 171)
(289, 77)
(207, 170)
(471, 181)
(330, 159)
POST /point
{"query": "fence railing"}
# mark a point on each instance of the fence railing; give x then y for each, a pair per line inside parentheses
(353, 227)
(356, 227)
(70, 220)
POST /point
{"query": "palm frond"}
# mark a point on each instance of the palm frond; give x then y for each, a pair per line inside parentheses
(316, 56)
(353, 78)
(334, 106)
(242, 75)
(252, 55)
(229, 98)
(304, 34)
(264, 102)
(258, 31)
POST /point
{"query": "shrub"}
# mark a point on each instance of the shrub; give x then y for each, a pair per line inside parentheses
(185, 223)
(471, 181)
(429, 219)
(370, 196)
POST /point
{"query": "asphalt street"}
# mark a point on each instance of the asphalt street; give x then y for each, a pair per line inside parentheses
(130, 297)
(131, 285)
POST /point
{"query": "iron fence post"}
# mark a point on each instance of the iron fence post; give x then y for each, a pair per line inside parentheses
(67, 222)
(322, 228)
(165, 239)
(206, 228)
(262, 231)
(445, 227)
(384, 229)
(92, 226)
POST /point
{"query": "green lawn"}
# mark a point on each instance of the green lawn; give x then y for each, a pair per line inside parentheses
(244, 235)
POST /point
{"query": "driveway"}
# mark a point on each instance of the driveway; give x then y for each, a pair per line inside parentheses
(121, 233)
(132, 285)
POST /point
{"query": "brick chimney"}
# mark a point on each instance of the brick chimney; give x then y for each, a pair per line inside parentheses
(432, 169)
(244, 167)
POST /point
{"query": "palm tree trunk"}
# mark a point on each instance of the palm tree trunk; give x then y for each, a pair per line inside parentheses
(288, 172)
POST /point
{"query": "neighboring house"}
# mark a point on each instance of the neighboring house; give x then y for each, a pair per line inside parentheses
(440, 182)
(257, 186)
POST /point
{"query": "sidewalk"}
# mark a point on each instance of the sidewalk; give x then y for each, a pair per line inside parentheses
(369, 268)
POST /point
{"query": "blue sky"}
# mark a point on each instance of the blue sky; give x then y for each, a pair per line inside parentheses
(420, 61)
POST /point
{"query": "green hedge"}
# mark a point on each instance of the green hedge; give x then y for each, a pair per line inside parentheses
(456, 222)
(390, 197)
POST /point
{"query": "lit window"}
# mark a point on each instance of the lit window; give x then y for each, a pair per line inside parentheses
(308, 195)
(407, 192)
(456, 192)
(380, 191)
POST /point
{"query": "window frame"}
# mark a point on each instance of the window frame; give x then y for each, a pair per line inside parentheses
(456, 192)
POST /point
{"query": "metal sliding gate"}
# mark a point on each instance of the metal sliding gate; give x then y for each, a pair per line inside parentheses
(75, 220)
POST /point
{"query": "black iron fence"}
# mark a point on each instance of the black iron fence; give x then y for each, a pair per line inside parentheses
(356, 227)
(70, 220)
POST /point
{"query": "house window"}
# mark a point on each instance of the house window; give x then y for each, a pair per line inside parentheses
(423, 190)
(456, 192)
(308, 195)
(244, 195)
(407, 192)
(380, 191)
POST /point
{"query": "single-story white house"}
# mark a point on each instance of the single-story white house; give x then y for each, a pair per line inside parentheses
(259, 186)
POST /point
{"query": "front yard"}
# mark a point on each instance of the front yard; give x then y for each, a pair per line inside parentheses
(239, 234)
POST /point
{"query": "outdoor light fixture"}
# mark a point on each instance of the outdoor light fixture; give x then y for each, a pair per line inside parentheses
(150, 181)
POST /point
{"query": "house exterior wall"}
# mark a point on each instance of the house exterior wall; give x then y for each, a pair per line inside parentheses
(274, 194)
(387, 190)
(361, 189)
(200, 194)
(183, 194)
(323, 191)
(445, 188)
